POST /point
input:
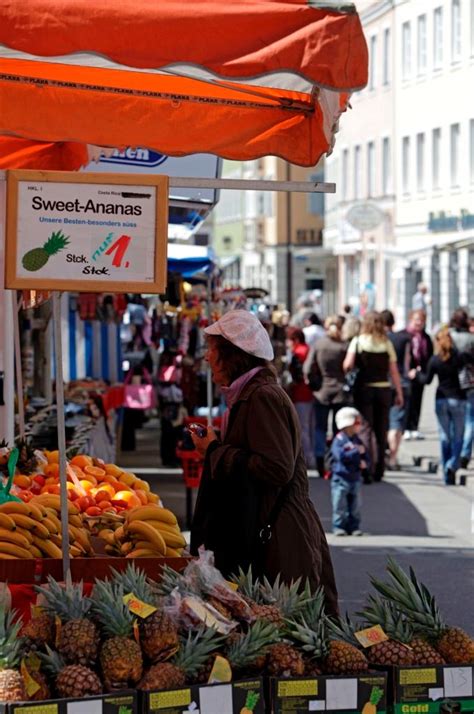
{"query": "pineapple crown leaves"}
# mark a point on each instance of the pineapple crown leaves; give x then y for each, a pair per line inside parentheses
(170, 580)
(412, 597)
(109, 609)
(133, 580)
(65, 601)
(313, 609)
(248, 584)
(10, 643)
(311, 638)
(195, 649)
(56, 242)
(247, 648)
(343, 629)
(376, 695)
(385, 613)
(252, 700)
(52, 661)
(290, 599)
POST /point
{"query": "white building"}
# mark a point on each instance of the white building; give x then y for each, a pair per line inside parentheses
(408, 151)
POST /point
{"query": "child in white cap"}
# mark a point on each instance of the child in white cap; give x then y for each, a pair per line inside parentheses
(349, 458)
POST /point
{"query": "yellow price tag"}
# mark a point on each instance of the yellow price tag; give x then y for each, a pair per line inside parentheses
(138, 607)
(31, 685)
(371, 636)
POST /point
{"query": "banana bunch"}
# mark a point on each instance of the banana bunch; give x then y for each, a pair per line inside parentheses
(148, 532)
(79, 540)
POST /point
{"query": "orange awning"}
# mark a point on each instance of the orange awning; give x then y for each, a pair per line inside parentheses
(241, 79)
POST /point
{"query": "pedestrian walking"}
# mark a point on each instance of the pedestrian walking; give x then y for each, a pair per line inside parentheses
(300, 392)
(420, 300)
(397, 418)
(450, 400)
(325, 376)
(463, 338)
(421, 351)
(348, 459)
(373, 356)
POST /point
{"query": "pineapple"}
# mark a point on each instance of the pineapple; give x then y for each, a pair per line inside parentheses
(289, 599)
(170, 580)
(247, 652)
(27, 461)
(37, 258)
(120, 656)
(370, 707)
(12, 688)
(185, 666)
(395, 625)
(250, 589)
(158, 635)
(73, 681)
(38, 632)
(284, 660)
(77, 640)
(414, 600)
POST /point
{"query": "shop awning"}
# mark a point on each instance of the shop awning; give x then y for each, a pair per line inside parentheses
(239, 79)
(189, 260)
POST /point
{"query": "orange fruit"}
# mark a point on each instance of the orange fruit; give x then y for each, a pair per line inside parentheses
(54, 488)
(94, 471)
(81, 460)
(103, 495)
(53, 457)
(128, 496)
(142, 496)
(112, 469)
(142, 485)
(87, 485)
(51, 470)
(103, 504)
(22, 481)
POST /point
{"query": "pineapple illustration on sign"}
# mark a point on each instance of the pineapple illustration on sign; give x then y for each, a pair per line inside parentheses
(37, 258)
(250, 703)
(376, 695)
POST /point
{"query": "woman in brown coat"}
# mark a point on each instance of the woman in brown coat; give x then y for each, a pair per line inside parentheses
(253, 506)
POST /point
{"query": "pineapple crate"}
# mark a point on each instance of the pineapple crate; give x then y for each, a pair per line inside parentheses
(436, 689)
(358, 694)
(241, 697)
(112, 703)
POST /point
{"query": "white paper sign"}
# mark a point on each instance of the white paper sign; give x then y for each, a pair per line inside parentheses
(457, 681)
(436, 693)
(86, 232)
(317, 705)
(216, 700)
(94, 706)
(341, 693)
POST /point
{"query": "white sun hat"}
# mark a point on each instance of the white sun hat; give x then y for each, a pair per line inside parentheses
(245, 331)
(347, 416)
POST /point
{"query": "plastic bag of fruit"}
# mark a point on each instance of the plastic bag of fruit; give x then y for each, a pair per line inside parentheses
(190, 611)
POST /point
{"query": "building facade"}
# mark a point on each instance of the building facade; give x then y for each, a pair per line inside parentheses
(404, 164)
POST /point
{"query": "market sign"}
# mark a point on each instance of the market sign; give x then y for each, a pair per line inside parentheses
(365, 216)
(82, 232)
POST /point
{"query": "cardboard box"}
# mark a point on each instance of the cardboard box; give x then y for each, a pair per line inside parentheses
(228, 698)
(425, 689)
(112, 703)
(327, 693)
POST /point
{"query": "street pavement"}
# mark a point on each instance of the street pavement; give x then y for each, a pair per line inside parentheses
(411, 515)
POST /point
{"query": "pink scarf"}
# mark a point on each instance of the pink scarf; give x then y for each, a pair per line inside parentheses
(232, 393)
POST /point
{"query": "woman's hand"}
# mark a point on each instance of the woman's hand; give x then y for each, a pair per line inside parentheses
(202, 442)
(399, 399)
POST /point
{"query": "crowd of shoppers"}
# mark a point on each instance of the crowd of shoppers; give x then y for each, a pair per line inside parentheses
(382, 372)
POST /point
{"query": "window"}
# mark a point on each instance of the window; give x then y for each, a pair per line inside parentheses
(406, 50)
(357, 170)
(436, 156)
(421, 54)
(455, 30)
(315, 200)
(372, 61)
(471, 150)
(371, 169)
(386, 167)
(386, 56)
(455, 137)
(438, 37)
(420, 162)
(345, 174)
(406, 164)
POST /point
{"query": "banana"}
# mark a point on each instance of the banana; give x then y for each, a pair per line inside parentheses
(127, 547)
(165, 527)
(56, 539)
(148, 533)
(51, 500)
(13, 549)
(172, 540)
(15, 507)
(110, 549)
(79, 547)
(172, 553)
(7, 522)
(26, 533)
(53, 517)
(143, 553)
(35, 512)
(138, 544)
(14, 537)
(119, 534)
(50, 525)
(108, 535)
(75, 521)
(152, 512)
(47, 547)
(81, 536)
(35, 552)
(30, 525)
(5, 556)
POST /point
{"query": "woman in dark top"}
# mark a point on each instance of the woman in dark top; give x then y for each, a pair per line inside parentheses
(450, 400)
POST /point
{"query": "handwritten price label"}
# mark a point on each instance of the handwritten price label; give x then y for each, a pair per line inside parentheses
(138, 607)
(371, 636)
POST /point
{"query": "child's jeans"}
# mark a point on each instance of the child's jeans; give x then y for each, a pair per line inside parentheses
(346, 501)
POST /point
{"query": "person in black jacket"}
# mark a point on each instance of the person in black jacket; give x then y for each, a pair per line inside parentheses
(450, 400)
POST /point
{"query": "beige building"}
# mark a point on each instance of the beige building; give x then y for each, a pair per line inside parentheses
(404, 163)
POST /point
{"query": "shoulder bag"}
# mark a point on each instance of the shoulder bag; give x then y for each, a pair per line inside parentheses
(139, 396)
(351, 377)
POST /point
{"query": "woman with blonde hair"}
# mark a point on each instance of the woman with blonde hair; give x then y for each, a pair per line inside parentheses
(450, 399)
(373, 355)
(326, 378)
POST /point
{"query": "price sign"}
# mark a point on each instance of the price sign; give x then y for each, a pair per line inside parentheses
(91, 233)
(371, 636)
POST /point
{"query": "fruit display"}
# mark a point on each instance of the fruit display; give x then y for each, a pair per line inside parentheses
(149, 531)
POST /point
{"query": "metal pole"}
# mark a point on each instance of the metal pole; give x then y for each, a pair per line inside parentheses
(289, 256)
(18, 370)
(58, 368)
(253, 184)
(209, 373)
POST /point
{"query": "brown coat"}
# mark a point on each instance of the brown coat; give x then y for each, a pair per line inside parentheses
(243, 475)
